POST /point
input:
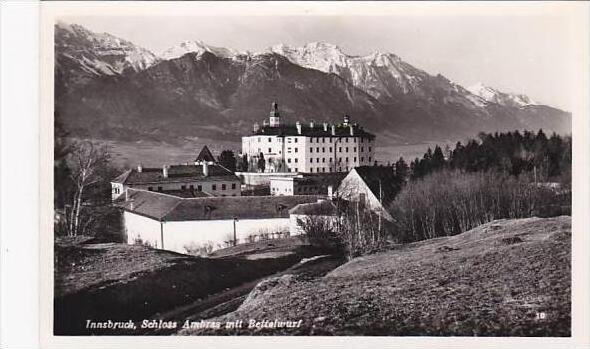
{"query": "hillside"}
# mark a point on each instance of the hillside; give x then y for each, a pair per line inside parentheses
(504, 278)
(108, 88)
(119, 282)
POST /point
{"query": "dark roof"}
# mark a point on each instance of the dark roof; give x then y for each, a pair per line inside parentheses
(187, 193)
(176, 173)
(322, 179)
(165, 207)
(205, 155)
(316, 131)
(147, 203)
(380, 178)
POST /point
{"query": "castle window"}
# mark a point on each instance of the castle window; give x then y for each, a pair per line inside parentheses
(199, 187)
(289, 140)
(149, 188)
(369, 159)
(354, 159)
(289, 150)
(346, 159)
(323, 160)
(369, 148)
(269, 139)
(269, 150)
(362, 159)
(295, 160)
(330, 149)
(310, 139)
(183, 187)
(311, 149)
(346, 139)
(330, 160)
(213, 187)
(362, 149)
(354, 149)
(323, 169)
(296, 150)
(311, 160)
(323, 150)
(295, 169)
(233, 185)
(323, 140)
(159, 188)
(317, 160)
(311, 169)
(317, 150)
(295, 140)
(347, 149)
(289, 160)
(339, 160)
(223, 186)
(340, 149)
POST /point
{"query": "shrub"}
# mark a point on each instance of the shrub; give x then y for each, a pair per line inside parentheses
(450, 202)
(355, 230)
(201, 250)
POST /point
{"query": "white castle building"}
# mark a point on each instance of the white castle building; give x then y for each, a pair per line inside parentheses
(309, 148)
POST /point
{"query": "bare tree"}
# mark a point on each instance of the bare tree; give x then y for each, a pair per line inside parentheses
(87, 162)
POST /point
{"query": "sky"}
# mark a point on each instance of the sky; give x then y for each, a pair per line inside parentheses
(529, 54)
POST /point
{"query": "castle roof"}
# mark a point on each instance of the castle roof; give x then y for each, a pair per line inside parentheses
(315, 131)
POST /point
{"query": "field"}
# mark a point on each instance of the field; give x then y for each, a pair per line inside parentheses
(504, 278)
(156, 154)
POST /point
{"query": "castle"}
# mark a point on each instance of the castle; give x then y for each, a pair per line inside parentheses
(308, 148)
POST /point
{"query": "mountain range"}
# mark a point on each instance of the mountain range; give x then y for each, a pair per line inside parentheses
(109, 88)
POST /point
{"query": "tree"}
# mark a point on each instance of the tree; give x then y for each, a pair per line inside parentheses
(87, 167)
(61, 172)
(227, 159)
(438, 159)
(242, 163)
(402, 170)
(261, 163)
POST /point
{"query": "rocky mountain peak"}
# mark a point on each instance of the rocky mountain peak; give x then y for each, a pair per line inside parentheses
(492, 95)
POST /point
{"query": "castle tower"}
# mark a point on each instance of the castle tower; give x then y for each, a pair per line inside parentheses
(275, 118)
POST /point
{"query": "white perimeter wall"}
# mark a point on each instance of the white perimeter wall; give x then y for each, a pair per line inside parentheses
(177, 235)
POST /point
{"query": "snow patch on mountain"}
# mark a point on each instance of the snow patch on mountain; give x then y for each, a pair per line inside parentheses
(492, 95)
(101, 53)
(199, 47)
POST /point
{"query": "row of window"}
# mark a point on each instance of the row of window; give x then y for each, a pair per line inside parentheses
(317, 150)
(317, 160)
(317, 139)
(329, 169)
(198, 188)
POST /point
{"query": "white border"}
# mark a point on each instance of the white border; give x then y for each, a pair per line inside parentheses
(19, 144)
(574, 13)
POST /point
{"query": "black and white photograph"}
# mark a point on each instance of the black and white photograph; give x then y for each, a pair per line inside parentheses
(392, 170)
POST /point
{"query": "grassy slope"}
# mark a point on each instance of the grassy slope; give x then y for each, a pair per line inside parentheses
(490, 281)
(122, 282)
